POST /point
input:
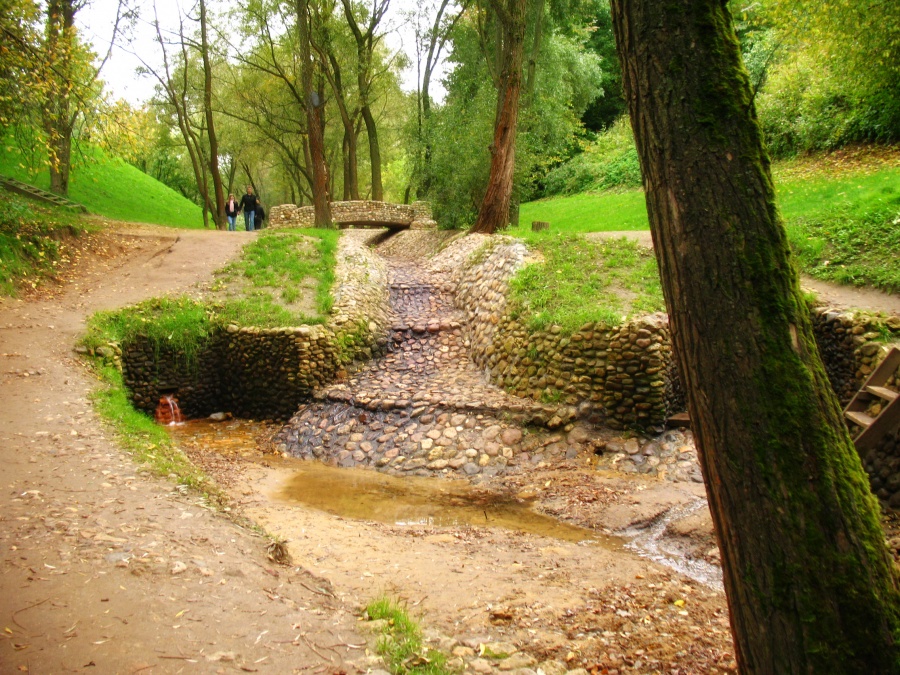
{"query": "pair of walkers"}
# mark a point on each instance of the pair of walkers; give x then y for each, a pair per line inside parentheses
(250, 206)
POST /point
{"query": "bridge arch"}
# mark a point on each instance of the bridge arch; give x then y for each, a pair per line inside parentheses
(415, 216)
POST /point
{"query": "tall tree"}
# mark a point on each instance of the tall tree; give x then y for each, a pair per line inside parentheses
(212, 138)
(315, 123)
(494, 211)
(366, 41)
(810, 584)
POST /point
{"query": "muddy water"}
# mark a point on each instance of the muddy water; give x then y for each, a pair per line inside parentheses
(369, 495)
(365, 494)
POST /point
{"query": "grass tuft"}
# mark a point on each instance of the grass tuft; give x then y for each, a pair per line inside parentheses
(401, 641)
(32, 242)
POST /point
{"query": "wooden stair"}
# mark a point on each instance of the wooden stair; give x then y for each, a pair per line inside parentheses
(874, 391)
(42, 195)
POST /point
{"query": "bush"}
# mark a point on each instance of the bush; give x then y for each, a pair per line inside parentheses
(611, 161)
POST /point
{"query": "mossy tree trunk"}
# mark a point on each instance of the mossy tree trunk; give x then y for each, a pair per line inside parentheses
(810, 584)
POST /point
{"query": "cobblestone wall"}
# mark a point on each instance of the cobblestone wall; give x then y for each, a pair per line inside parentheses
(617, 374)
(625, 374)
(852, 344)
(266, 373)
(417, 216)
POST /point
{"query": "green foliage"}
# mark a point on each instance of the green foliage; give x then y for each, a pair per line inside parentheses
(610, 104)
(566, 81)
(32, 241)
(584, 281)
(109, 187)
(609, 162)
(179, 324)
(401, 641)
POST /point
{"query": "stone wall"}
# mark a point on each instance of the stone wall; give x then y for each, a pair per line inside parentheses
(624, 376)
(616, 375)
(852, 344)
(266, 373)
(416, 216)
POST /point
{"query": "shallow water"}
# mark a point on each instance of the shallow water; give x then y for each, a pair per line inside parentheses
(369, 495)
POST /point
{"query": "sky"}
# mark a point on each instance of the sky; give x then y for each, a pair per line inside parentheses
(96, 24)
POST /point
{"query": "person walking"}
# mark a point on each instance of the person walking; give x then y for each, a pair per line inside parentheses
(231, 211)
(259, 222)
(248, 206)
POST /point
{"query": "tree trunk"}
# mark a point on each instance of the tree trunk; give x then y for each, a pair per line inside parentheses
(374, 152)
(59, 122)
(810, 584)
(314, 105)
(210, 123)
(494, 211)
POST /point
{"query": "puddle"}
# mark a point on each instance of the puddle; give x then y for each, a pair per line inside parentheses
(650, 543)
(369, 495)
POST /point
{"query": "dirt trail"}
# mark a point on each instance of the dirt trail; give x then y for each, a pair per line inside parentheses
(829, 294)
(105, 569)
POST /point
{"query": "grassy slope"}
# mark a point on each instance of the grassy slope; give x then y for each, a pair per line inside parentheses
(841, 217)
(109, 187)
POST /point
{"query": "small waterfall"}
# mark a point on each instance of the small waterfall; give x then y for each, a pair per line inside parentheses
(168, 412)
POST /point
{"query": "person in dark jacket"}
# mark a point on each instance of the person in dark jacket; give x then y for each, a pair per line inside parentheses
(248, 206)
(232, 207)
(260, 216)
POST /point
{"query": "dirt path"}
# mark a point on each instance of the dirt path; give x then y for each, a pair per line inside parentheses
(105, 569)
(829, 294)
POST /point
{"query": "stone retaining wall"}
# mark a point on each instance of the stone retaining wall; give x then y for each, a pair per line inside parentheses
(416, 216)
(624, 376)
(266, 373)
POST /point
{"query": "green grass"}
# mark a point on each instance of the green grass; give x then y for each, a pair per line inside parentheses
(109, 187)
(183, 324)
(401, 641)
(582, 281)
(148, 442)
(271, 272)
(844, 225)
(589, 212)
(33, 242)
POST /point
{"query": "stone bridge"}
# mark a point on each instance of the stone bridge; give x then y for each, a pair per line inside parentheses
(415, 216)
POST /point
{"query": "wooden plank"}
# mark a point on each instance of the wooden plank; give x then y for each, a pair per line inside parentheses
(885, 369)
(882, 392)
(679, 420)
(887, 422)
(859, 418)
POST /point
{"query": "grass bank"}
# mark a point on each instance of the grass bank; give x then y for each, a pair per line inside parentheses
(34, 242)
(841, 212)
(109, 187)
(580, 281)
(262, 277)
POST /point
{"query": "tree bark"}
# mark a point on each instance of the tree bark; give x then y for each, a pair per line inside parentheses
(494, 211)
(314, 105)
(59, 122)
(213, 159)
(810, 584)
